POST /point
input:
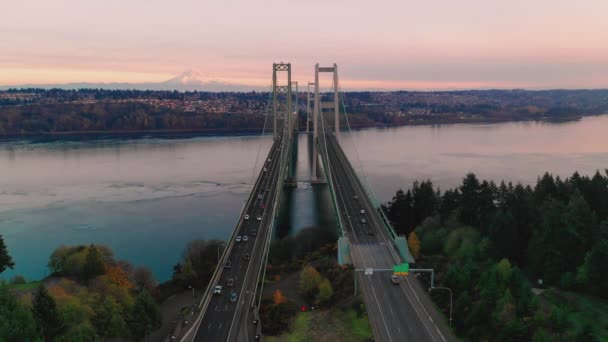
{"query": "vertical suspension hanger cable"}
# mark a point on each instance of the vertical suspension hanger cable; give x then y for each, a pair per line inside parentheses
(252, 180)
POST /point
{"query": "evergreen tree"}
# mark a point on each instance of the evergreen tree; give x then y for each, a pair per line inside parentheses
(469, 190)
(503, 235)
(145, 316)
(93, 265)
(46, 314)
(6, 261)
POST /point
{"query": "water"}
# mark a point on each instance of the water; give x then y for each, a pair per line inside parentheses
(147, 198)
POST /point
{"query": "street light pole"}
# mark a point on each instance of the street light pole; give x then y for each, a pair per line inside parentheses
(192, 287)
(218, 252)
(446, 288)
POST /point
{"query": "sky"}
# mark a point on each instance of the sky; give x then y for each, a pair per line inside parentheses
(379, 44)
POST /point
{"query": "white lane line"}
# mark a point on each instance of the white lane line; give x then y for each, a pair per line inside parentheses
(424, 309)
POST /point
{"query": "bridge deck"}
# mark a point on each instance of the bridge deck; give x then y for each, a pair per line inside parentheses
(397, 313)
(221, 318)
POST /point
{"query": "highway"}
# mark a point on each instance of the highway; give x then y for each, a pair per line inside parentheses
(400, 312)
(225, 319)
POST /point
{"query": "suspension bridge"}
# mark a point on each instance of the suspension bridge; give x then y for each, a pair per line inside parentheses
(397, 312)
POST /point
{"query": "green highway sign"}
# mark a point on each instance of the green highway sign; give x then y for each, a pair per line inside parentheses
(402, 269)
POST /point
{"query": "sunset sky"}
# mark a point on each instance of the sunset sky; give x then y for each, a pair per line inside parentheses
(377, 44)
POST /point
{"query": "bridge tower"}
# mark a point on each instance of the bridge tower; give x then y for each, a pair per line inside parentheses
(318, 110)
(308, 108)
(280, 92)
(295, 107)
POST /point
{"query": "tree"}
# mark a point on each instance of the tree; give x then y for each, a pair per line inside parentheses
(108, 321)
(145, 316)
(143, 278)
(325, 291)
(6, 261)
(93, 265)
(46, 314)
(414, 244)
(469, 190)
(503, 235)
(278, 297)
(16, 321)
(309, 280)
(592, 273)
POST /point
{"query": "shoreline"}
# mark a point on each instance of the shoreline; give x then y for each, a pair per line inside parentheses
(211, 132)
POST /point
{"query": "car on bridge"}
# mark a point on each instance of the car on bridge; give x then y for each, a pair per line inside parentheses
(364, 221)
(362, 211)
(238, 238)
(254, 233)
(259, 218)
(217, 290)
(247, 217)
(228, 264)
(395, 280)
(246, 257)
(230, 282)
(260, 196)
(245, 238)
(233, 297)
(262, 205)
(356, 197)
(265, 169)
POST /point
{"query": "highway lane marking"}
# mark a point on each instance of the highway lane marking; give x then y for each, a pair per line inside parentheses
(377, 302)
(418, 312)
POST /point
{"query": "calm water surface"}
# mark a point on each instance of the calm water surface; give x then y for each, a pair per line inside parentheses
(147, 198)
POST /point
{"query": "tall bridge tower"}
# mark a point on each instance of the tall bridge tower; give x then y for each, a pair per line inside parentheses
(281, 96)
(319, 106)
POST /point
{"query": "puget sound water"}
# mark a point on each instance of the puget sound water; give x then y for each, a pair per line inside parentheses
(146, 198)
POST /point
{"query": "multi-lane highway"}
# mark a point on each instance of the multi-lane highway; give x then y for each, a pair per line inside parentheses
(398, 312)
(228, 315)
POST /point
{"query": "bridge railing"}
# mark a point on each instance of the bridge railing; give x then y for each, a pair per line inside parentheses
(327, 169)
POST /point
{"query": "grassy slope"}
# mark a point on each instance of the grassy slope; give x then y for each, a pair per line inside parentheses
(324, 325)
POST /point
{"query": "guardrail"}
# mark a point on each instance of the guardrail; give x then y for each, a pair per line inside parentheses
(204, 303)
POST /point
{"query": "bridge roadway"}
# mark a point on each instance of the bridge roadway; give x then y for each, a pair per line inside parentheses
(224, 320)
(397, 313)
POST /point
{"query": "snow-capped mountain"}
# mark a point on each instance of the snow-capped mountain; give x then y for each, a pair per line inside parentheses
(188, 80)
(188, 77)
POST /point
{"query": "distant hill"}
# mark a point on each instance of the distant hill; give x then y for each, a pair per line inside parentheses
(189, 80)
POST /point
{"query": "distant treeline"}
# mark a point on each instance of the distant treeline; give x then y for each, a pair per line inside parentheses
(52, 111)
(116, 117)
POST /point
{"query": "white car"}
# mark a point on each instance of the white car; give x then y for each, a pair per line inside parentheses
(362, 211)
(265, 169)
(246, 217)
(217, 290)
(259, 218)
(238, 238)
(260, 196)
(245, 238)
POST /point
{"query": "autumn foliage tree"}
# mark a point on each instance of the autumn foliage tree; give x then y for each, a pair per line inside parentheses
(309, 281)
(414, 244)
(278, 297)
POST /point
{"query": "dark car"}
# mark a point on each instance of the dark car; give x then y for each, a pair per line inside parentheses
(228, 264)
(246, 257)
(230, 282)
